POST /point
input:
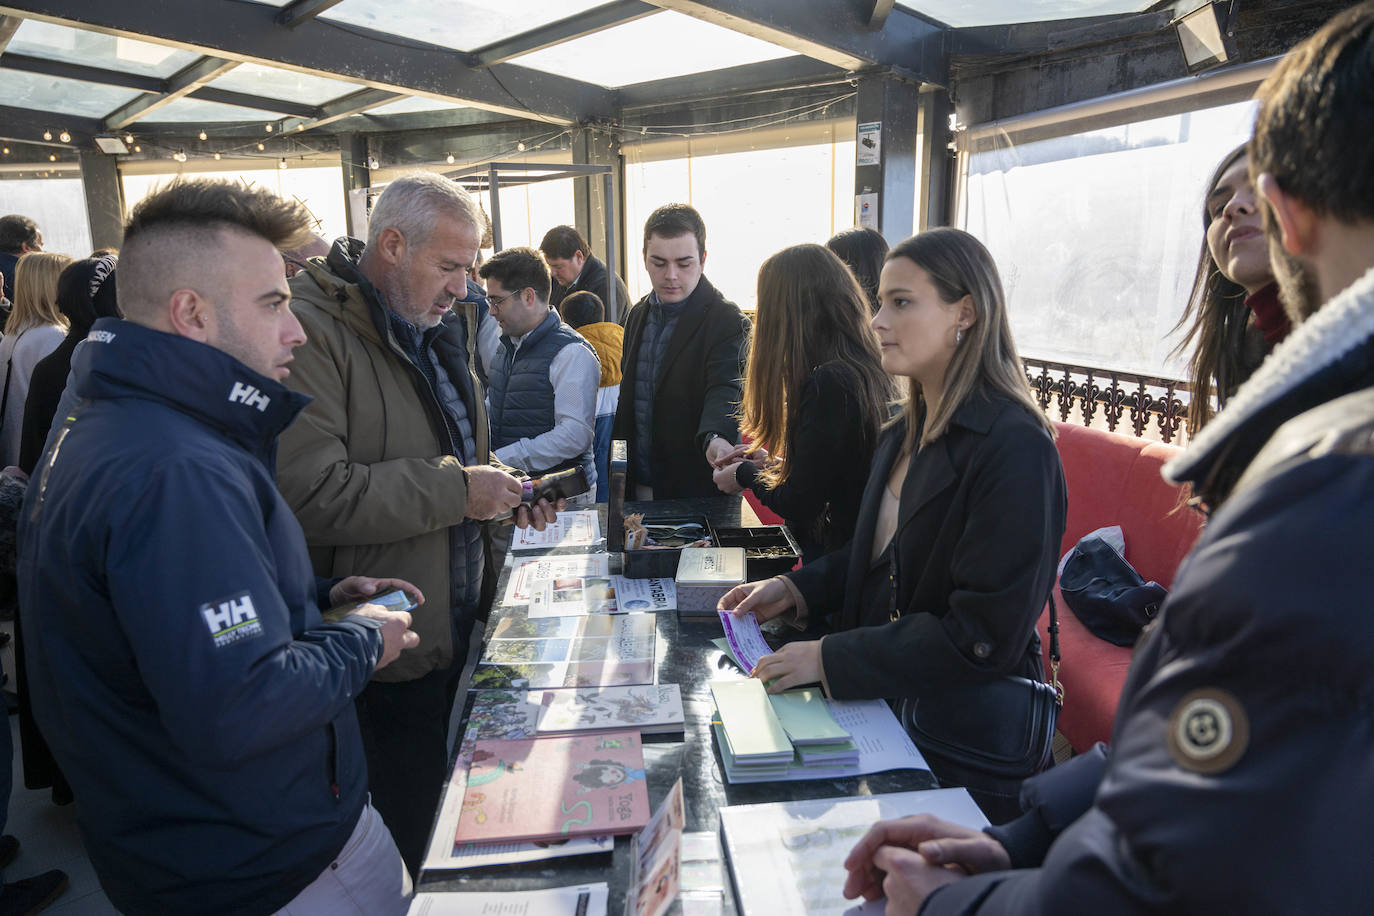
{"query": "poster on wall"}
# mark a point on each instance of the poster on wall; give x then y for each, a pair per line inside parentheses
(870, 143)
(866, 210)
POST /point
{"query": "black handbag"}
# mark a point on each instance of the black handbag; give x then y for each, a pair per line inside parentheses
(987, 736)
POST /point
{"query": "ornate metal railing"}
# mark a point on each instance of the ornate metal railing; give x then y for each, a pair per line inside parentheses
(1150, 403)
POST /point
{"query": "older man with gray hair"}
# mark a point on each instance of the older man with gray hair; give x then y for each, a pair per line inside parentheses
(387, 469)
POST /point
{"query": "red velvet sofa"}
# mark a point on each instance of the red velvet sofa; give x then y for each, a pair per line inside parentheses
(1112, 480)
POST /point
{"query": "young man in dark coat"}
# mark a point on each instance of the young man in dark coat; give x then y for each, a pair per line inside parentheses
(574, 268)
(180, 668)
(685, 347)
(1238, 779)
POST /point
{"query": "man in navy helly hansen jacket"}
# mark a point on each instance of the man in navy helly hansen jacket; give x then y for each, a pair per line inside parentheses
(180, 668)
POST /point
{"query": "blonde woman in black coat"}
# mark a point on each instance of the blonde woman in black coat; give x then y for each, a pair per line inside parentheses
(954, 553)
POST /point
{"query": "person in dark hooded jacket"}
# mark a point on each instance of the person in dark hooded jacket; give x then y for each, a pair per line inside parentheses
(85, 292)
(178, 660)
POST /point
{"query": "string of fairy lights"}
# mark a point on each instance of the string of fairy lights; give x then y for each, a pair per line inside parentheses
(294, 148)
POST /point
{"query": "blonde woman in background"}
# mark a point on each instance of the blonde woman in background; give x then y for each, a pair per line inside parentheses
(35, 327)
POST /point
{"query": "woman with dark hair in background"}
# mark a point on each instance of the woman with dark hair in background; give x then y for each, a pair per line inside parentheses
(814, 388)
(1234, 314)
(863, 250)
(954, 552)
(85, 292)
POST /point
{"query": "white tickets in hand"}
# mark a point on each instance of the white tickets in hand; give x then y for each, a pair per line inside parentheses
(745, 638)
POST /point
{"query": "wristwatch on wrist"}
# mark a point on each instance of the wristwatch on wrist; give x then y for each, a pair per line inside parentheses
(710, 437)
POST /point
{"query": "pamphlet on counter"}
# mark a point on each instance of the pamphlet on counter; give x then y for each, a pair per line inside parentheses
(583, 900)
(570, 529)
(524, 572)
(788, 857)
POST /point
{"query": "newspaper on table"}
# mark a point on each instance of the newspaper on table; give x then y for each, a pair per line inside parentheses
(571, 529)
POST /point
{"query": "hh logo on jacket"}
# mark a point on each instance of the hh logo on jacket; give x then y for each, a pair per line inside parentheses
(249, 396)
(231, 619)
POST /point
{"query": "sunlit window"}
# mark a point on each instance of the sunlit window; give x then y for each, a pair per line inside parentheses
(1097, 234)
(754, 201)
(320, 188)
(57, 205)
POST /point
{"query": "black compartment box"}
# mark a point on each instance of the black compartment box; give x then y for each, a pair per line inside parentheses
(661, 562)
(769, 550)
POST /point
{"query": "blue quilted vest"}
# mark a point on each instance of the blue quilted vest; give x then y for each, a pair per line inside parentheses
(520, 395)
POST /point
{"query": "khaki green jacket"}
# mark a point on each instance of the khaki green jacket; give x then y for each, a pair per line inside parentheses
(365, 467)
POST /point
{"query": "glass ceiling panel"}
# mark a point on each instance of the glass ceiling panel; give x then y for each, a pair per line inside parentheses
(660, 46)
(63, 96)
(481, 21)
(275, 83)
(77, 46)
(198, 111)
(960, 13)
(412, 105)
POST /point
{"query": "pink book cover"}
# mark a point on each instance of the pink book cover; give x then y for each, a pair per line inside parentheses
(554, 788)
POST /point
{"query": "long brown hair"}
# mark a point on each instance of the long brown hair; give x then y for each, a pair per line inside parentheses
(986, 359)
(35, 292)
(811, 311)
(1217, 317)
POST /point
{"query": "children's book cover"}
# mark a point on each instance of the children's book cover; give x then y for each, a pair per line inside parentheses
(549, 788)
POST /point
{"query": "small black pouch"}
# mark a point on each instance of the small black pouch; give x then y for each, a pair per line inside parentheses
(1106, 593)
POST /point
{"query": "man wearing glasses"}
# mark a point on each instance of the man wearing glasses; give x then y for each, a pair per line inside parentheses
(543, 379)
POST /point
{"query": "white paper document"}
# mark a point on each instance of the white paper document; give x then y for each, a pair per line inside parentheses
(525, 572)
(584, 900)
(572, 529)
(788, 857)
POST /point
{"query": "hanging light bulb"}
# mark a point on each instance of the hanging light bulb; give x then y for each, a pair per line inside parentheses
(268, 128)
(372, 162)
(261, 147)
(520, 146)
(217, 157)
(203, 135)
(47, 135)
(7, 151)
(129, 138)
(282, 164)
(138, 149)
(65, 137)
(449, 159)
(52, 158)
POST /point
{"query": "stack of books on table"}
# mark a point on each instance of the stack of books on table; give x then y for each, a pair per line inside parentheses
(764, 738)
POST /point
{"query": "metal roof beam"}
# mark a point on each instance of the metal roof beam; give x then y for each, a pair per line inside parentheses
(300, 11)
(27, 125)
(8, 26)
(82, 72)
(182, 83)
(594, 20)
(837, 32)
(340, 108)
(248, 32)
(785, 73)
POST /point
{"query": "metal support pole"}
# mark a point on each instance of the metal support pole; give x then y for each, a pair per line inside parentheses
(885, 114)
(104, 200)
(494, 190)
(614, 307)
